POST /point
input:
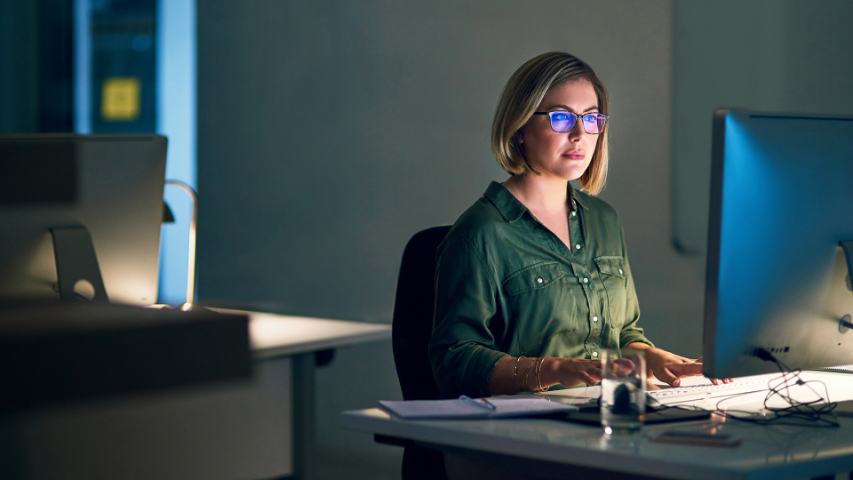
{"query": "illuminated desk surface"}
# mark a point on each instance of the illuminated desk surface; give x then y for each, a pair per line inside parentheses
(560, 448)
(274, 335)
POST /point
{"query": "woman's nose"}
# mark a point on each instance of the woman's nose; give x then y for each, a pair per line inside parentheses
(577, 131)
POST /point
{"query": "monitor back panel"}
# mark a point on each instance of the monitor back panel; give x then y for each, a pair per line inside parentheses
(782, 199)
(112, 185)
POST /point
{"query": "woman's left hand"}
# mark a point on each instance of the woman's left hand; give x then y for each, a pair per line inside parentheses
(670, 368)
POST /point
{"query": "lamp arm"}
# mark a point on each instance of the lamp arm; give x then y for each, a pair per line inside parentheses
(191, 244)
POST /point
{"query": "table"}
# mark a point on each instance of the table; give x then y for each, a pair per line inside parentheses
(307, 341)
(257, 428)
(542, 448)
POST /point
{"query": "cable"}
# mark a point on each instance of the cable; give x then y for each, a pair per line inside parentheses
(812, 413)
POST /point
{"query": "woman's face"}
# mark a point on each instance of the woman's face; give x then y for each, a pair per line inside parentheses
(561, 155)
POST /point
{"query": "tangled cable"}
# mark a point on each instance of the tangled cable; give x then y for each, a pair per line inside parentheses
(818, 412)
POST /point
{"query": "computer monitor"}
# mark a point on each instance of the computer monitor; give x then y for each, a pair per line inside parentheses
(81, 217)
(778, 277)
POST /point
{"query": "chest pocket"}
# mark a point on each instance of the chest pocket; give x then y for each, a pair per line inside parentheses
(613, 276)
(611, 267)
(539, 300)
(533, 278)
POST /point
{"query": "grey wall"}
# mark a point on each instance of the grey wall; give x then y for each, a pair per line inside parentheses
(772, 55)
(330, 132)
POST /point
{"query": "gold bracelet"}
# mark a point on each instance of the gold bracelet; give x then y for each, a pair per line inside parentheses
(515, 368)
(527, 374)
(539, 373)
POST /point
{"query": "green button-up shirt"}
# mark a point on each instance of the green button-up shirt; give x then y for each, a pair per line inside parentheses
(505, 284)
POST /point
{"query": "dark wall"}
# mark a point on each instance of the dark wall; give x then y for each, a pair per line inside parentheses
(36, 66)
(330, 132)
(18, 66)
(773, 55)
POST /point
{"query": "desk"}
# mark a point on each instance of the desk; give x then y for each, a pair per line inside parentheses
(260, 428)
(302, 338)
(275, 335)
(553, 449)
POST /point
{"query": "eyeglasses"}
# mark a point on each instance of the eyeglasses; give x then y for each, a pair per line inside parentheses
(563, 121)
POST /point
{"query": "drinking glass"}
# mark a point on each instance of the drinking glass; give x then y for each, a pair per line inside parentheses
(623, 390)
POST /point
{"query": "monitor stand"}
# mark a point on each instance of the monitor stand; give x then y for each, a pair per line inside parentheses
(77, 271)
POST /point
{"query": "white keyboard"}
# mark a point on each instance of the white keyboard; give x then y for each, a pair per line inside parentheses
(705, 391)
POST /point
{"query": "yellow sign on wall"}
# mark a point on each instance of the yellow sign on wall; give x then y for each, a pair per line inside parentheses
(120, 99)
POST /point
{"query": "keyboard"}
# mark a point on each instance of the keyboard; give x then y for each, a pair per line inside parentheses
(706, 391)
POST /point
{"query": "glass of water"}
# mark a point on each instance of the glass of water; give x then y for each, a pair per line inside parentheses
(623, 390)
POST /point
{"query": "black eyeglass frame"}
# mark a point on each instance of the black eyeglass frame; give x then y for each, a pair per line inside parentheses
(578, 116)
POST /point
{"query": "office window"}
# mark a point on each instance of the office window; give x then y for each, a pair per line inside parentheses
(123, 85)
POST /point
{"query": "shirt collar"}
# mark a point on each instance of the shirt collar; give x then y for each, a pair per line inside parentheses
(506, 203)
(577, 197)
(511, 209)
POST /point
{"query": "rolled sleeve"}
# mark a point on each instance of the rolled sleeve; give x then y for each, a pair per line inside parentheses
(462, 348)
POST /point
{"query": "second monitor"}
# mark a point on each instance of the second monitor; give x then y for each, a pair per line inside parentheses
(780, 245)
(59, 190)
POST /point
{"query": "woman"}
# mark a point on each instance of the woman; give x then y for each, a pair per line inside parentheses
(533, 279)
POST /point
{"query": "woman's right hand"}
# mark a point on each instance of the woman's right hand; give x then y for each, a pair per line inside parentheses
(571, 372)
(518, 374)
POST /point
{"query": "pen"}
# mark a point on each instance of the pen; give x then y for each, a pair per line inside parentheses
(480, 403)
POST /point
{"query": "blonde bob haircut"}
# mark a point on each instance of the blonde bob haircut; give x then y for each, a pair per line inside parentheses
(521, 97)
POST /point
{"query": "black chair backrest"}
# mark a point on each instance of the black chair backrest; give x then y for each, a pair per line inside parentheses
(411, 329)
(413, 311)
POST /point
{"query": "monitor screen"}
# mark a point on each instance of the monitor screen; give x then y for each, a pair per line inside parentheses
(68, 199)
(777, 275)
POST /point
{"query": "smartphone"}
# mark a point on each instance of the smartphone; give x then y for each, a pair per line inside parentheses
(704, 439)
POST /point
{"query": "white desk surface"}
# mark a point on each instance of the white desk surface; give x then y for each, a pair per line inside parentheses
(274, 335)
(765, 452)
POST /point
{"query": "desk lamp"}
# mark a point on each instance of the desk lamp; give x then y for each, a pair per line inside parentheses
(168, 217)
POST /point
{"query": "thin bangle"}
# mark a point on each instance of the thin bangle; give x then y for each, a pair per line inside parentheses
(515, 368)
(539, 373)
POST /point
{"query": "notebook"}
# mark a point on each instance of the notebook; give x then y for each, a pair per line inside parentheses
(506, 406)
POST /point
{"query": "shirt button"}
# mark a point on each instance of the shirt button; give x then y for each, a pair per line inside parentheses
(594, 354)
(574, 213)
(621, 272)
(578, 246)
(585, 280)
(539, 280)
(595, 318)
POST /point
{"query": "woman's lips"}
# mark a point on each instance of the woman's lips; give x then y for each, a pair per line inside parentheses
(574, 155)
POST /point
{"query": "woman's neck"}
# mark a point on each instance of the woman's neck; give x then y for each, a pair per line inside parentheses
(539, 193)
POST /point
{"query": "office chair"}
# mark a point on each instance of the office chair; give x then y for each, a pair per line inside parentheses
(411, 329)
